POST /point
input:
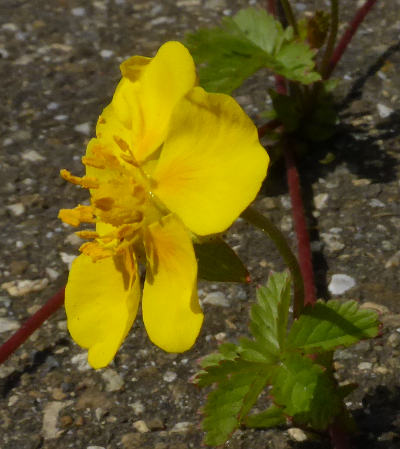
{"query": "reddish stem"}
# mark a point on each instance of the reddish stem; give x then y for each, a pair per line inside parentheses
(271, 7)
(348, 35)
(269, 126)
(300, 226)
(339, 438)
(33, 323)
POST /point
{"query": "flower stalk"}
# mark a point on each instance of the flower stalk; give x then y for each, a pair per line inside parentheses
(33, 323)
(325, 65)
(262, 222)
(348, 35)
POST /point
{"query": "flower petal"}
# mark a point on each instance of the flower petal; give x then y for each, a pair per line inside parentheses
(165, 80)
(171, 311)
(101, 301)
(212, 164)
(141, 107)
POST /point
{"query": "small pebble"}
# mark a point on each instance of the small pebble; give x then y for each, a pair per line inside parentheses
(170, 376)
(137, 407)
(363, 366)
(6, 325)
(83, 128)
(393, 261)
(106, 54)
(321, 200)
(141, 426)
(376, 203)
(78, 12)
(68, 258)
(340, 283)
(216, 299)
(80, 360)
(52, 273)
(32, 156)
(23, 287)
(114, 382)
(384, 111)
(50, 418)
(182, 427)
(296, 434)
(16, 209)
(332, 241)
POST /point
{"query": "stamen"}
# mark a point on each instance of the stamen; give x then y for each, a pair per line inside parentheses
(109, 160)
(76, 216)
(129, 159)
(105, 203)
(95, 251)
(122, 144)
(87, 235)
(139, 193)
(85, 181)
(93, 162)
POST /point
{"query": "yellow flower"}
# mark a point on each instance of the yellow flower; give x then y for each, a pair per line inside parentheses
(170, 161)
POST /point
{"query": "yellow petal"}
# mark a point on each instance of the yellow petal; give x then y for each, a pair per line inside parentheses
(164, 81)
(212, 164)
(101, 301)
(171, 311)
(142, 104)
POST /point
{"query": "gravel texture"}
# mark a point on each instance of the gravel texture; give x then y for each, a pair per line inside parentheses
(58, 68)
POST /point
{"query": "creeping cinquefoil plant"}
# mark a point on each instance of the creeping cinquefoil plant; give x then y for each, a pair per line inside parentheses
(170, 162)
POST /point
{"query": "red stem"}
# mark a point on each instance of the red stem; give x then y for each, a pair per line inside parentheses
(348, 35)
(271, 7)
(300, 225)
(339, 438)
(269, 126)
(33, 323)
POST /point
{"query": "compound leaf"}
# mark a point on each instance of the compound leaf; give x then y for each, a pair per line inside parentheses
(269, 316)
(271, 417)
(250, 40)
(326, 326)
(305, 391)
(233, 397)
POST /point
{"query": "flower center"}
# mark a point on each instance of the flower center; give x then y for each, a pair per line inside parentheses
(121, 204)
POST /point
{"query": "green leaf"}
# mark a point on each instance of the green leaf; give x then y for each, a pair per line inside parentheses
(305, 391)
(250, 40)
(218, 262)
(269, 316)
(232, 399)
(271, 417)
(329, 325)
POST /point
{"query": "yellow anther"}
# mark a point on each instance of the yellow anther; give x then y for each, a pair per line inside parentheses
(122, 144)
(95, 251)
(87, 235)
(127, 230)
(104, 157)
(76, 216)
(86, 181)
(129, 159)
(93, 162)
(105, 203)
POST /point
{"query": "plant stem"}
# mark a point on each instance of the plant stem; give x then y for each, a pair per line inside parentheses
(254, 217)
(348, 35)
(33, 323)
(300, 226)
(269, 126)
(290, 17)
(339, 438)
(331, 39)
(271, 7)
